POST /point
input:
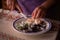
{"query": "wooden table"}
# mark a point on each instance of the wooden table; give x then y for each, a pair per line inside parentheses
(8, 32)
(7, 28)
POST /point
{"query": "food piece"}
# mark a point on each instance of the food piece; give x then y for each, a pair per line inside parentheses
(32, 26)
(25, 26)
(29, 21)
(29, 28)
(37, 21)
(20, 28)
(41, 28)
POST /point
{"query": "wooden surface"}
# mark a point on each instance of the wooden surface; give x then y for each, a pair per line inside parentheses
(6, 27)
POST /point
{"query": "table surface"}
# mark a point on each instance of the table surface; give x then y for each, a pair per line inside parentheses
(6, 26)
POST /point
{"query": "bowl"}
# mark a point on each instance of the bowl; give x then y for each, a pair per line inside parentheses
(48, 26)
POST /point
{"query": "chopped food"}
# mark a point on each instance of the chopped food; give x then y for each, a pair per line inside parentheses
(29, 21)
(30, 26)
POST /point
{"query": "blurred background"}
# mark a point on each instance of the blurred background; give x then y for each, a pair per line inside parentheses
(53, 11)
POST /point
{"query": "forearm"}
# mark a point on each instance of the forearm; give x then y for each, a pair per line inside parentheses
(13, 6)
(47, 3)
(19, 8)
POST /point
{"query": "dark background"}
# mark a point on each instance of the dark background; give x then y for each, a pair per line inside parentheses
(54, 11)
(0, 3)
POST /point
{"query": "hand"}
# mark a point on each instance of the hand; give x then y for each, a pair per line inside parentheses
(30, 20)
(39, 12)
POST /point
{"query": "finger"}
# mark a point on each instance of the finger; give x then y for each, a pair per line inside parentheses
(39, 13)
(34, 13)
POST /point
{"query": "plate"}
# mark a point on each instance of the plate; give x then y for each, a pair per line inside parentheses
(48, 27)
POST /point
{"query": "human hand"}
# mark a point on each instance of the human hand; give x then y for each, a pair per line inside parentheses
(29, 20)
(39, 12)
